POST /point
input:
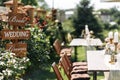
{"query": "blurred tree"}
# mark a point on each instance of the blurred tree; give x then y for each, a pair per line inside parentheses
(30, 2)
(2, 1)
(114, 22)
(54, 14)
(116, 14)
(43, 4)
(84, 15)
(40, 3)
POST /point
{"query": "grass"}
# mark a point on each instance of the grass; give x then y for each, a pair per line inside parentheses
(99, 77)
(40, 74)
(82, 57)
(48, 74)
(81, 54)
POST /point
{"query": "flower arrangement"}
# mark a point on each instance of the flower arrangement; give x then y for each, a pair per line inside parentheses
(12, 67)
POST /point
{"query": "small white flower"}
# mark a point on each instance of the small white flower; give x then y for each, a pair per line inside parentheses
(9, 72)
(2, 63)
(15, 66)
(35, 36)
(4, 72)
(13, 61)
(22, 67)
(1, 76)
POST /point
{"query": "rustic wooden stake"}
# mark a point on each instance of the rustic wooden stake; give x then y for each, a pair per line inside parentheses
(116, 47)
(16, 20)
(15, 5)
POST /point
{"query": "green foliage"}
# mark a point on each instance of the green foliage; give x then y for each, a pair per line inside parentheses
(3, 42)
(68, 26)
(30, 2)
(41, 51)
(40, 3)
(84, 15)
(12, 67)
(56, 31)
(114, 14)
(43, 4)
(53, 32)
(38, 47)
(2, 1)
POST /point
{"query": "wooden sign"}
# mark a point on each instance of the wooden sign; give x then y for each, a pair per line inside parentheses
(15, 34)
(18, 19)
(20, 48)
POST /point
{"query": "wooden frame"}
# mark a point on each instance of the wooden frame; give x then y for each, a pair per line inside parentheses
(57, 72)
(73, 74)
(60, 51)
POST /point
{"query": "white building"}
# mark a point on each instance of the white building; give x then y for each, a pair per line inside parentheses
(110, 0)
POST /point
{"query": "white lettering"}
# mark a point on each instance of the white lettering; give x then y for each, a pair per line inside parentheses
(12, 48)
(6, 34)
(11, 34)
(16, 34)
(14, 19)
(19, 49)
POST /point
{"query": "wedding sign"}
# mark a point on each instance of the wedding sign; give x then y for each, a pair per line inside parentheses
(18, 19)
(18, 48)
(15, 34)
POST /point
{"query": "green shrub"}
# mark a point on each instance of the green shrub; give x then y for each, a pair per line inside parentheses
(38, 47)
(12, 67)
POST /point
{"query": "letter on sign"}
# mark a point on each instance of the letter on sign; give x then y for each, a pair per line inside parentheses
(17, 19)
(17, 34)
(20, 48)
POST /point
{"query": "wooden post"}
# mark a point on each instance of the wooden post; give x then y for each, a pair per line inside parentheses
(116, 47)
(111, 40)
(15, 5)
(16, 20)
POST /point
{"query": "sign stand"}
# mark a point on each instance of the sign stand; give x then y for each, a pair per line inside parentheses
(16, 20)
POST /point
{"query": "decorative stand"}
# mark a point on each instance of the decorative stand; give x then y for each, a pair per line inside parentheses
(113, 57)
(111, 40)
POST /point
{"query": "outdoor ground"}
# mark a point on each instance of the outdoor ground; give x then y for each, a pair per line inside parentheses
(48, 74)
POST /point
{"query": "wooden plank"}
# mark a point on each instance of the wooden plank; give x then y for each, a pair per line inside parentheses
(15, 34)
(19, 49)
(18, 19)
(15, 5)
